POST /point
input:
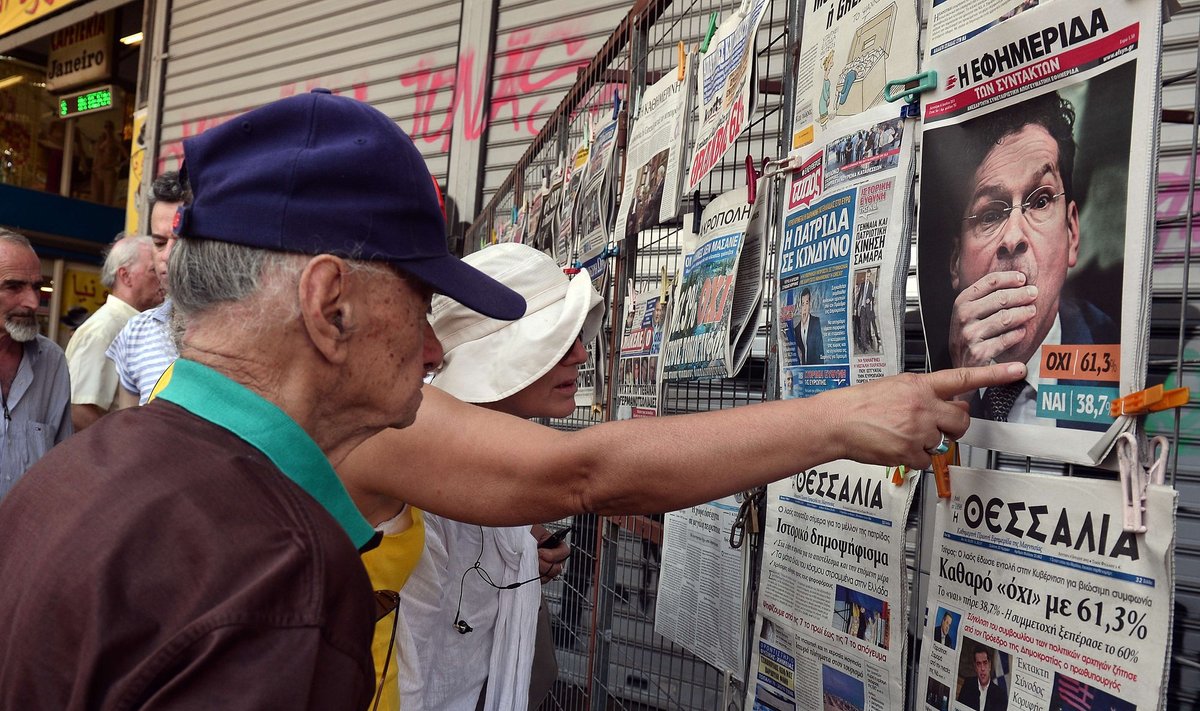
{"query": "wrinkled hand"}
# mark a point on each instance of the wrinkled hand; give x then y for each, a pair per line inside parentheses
(550, 560)
(896, 420)
(989, 317)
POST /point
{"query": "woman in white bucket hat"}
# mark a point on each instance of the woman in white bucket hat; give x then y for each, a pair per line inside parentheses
(466, 631)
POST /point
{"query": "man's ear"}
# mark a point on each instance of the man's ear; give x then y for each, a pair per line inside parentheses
(324, 306)
(954, 256)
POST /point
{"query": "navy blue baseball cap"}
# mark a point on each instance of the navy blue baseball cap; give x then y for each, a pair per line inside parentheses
(318, 173)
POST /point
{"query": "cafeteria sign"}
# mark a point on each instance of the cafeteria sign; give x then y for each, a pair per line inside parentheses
(80, 54)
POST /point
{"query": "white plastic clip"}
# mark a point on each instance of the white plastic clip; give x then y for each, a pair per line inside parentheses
(1143, 462)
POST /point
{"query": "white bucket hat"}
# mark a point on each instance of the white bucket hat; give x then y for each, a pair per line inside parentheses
(487, 359)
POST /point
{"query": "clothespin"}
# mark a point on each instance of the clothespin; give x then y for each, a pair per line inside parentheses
(912, 86)
(681, 71)
(1143, 462)
(712, 30)
(664, 284)
(941, 470)
(587, 134)
(572, 270)
(1149, 400)
(597, 409)
(751, 180)
(912, 110)
(898, 474)
(616, 104)
(696, 212)
(772, 168)
(612, 250)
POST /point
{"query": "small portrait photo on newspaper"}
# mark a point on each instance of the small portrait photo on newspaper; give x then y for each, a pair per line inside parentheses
(1022, 238)
(983, 674)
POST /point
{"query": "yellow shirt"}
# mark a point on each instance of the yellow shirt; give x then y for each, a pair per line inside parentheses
(389, 566)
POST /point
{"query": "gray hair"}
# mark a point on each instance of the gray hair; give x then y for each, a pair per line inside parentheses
(15, 238)
(206, 274)
(123, 253)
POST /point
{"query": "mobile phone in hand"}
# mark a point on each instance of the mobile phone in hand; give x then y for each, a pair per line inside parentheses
(556, 538)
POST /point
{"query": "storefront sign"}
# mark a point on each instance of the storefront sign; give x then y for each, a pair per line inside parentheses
(16, 13)
(80, 54)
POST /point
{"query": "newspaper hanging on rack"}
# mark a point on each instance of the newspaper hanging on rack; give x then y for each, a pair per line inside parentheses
(1040, 601)
(572, 171)
(595, 198)
(717, 298)
(725, 87)
(641, 343)
(849, 51)
(844, 256)
(830, 631)
(654, 156)
(701, 602)
(1037, 175)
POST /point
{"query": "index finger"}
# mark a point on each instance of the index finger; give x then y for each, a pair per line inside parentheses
(955, 381)
(991, 282)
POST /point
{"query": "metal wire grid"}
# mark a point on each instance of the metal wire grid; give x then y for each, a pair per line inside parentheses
(628, 666)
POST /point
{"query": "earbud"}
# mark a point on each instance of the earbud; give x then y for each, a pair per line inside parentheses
(463, 627)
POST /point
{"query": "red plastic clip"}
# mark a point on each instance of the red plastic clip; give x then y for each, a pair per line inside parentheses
(1149, 400)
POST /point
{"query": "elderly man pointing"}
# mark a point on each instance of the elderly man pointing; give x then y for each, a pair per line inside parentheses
(200, 552)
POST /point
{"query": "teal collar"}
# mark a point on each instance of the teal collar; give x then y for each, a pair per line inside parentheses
(211, 396)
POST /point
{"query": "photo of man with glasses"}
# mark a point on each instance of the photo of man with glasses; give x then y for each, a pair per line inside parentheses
(1009, 219)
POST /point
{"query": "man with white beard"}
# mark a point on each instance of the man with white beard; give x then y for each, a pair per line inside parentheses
(35, 390)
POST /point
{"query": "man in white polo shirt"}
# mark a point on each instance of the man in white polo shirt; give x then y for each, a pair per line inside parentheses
(129, 273)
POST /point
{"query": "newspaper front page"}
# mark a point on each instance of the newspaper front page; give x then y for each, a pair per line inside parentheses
(830, 631)
(1036, 196)
(844, 256)
(595, 199)
(654, 157)
(717, 297)
(849, 51)
(725, 88)
(641, 342)
(1040, 601)
(701, 603)
(565, 249)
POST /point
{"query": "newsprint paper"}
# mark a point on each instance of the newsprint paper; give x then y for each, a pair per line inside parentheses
(844, 256)
(1040, 601)
(654, 157)
(849, 51)
(702, 586)
(830, 632)
(725, 88)
(1037, 179)
(718, 295)
(641, 342)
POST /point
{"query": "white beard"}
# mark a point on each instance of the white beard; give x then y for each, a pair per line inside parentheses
(22, 331)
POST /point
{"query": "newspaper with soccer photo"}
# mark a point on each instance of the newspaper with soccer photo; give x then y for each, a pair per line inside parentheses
(641, 342)
(1039, 600)
(848, 53)
(844, 256)
(830, 632)
(725, 89)
(1036, 196)
(701, 603)
(654, 157)
(718, 296)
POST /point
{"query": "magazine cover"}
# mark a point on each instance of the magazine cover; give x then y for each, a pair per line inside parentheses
(1037, 179)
